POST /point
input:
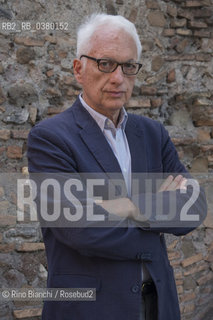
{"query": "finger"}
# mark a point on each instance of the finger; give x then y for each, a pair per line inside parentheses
(176, 183)
(182, 184)
(173, 185)
(166, 183)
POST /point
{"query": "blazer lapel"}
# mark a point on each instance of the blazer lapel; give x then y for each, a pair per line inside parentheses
(135, 137)
(95, 141)
(100, 148)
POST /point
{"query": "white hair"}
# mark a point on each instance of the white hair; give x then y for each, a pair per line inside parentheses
(93, 22)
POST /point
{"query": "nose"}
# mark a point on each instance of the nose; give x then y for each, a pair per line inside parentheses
(117, 76)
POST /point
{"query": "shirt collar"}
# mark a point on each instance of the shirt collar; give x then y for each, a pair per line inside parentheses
(104, 122)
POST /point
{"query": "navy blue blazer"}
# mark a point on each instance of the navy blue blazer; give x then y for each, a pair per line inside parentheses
(107, 259)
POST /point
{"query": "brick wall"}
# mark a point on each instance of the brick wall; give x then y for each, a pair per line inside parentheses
(174, 87)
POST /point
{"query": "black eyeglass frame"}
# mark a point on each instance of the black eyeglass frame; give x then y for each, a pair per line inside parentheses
(118, 64)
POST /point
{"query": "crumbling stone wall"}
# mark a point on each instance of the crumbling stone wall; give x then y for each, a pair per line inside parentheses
(174, 87)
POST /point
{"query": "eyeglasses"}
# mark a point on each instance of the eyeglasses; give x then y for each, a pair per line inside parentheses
(108, 65)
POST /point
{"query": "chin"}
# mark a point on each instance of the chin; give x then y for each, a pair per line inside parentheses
(115, 105)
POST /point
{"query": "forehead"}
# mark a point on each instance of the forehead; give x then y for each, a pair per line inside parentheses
(111, 43)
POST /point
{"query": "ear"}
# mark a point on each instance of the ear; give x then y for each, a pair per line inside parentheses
(78, 70)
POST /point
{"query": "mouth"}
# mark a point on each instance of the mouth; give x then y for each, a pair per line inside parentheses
(116, 94)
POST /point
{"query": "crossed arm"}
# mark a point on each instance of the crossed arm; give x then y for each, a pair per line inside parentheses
(47, 155)
(125, 208)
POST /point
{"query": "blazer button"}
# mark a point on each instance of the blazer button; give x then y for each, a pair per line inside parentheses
(135, 288)
(138, 256)
(146, 256)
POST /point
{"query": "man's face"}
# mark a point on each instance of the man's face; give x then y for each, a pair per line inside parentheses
(107, 92)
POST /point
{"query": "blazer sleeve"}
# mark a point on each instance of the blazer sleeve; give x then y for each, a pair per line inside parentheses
(177, 212)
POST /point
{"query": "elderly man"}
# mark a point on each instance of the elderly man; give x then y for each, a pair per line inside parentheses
(128, 266)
